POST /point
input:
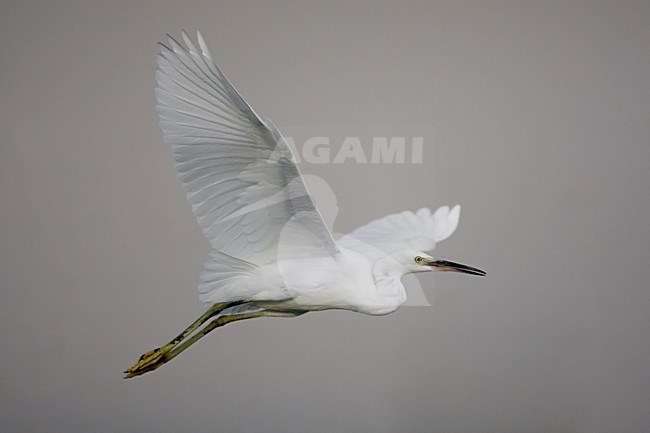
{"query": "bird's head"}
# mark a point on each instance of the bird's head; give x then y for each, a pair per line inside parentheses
(411, 261)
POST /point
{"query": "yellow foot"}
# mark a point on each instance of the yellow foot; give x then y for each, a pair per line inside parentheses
(149, 361)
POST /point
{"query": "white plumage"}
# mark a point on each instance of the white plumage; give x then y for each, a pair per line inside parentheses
(272, 253)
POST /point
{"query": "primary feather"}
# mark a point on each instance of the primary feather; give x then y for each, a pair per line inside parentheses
(238, 173)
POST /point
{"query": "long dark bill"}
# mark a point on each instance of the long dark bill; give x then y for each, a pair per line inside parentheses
(447, 266)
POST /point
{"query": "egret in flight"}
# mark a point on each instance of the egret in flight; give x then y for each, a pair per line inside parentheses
(272, 254)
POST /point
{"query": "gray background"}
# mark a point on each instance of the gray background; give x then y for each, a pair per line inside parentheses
(538, 118)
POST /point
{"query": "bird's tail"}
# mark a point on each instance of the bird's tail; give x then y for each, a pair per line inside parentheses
(223, 277)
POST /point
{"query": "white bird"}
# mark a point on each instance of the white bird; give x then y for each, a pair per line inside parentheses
(272, 255)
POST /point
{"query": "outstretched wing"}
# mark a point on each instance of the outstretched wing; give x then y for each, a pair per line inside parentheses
(238, 173)
(406, 230)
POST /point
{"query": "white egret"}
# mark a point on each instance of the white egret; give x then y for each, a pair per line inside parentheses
(272, 255)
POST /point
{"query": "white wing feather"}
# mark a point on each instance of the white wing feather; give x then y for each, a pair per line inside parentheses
(237, 171)
(406, 230)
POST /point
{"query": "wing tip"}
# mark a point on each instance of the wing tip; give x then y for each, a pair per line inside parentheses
(446, 221)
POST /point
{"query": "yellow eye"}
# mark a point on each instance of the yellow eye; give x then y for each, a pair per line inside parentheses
(418, 259)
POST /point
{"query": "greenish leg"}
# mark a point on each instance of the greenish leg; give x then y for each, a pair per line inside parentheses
(153, 357)
(217, 323)
(165, 354)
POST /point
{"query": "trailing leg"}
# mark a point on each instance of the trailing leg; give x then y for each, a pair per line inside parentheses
(153, 357)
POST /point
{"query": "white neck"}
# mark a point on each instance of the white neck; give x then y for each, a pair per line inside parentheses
(390, 294)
